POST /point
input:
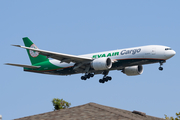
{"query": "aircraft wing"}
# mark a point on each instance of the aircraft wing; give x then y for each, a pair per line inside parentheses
(59, 56)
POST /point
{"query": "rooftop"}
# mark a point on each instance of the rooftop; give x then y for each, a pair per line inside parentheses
(91, 111)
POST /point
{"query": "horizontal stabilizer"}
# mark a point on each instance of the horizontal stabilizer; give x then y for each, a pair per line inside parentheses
(26, 66)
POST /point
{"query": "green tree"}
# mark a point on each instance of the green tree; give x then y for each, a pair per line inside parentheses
(60, 104)
(171, 118)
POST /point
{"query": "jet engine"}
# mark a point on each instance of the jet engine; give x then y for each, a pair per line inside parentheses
(133, 70)
(101, 63)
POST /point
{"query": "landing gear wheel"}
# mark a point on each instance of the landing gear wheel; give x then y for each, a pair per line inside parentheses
(88, 76)
(161, 68)
(109, 78)
(101, 81)
(105, 79)
(91, 75)
(83, 78)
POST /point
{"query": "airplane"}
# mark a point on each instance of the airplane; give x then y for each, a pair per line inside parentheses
(128, 60)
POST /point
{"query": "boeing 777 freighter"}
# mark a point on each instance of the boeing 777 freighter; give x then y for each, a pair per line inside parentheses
(128, 60)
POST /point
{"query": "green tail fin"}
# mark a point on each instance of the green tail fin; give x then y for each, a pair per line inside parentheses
(34, 56)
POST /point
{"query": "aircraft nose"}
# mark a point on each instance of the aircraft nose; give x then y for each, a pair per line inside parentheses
(169, 53)
(173, 52)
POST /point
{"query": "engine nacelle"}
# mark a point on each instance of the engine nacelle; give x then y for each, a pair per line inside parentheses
(101, 64)
(133, 70)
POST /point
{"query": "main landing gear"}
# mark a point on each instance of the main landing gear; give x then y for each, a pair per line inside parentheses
(105, 78)
(87, 76)
(161, 63)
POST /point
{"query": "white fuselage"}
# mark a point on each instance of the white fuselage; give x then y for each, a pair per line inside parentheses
(154, 52)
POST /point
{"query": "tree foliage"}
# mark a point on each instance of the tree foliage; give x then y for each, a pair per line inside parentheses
(60, 104)
(171, 118)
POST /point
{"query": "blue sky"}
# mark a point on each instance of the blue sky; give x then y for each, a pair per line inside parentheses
(80, 27)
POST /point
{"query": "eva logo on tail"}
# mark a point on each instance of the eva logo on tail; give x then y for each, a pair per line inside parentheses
(33, 53)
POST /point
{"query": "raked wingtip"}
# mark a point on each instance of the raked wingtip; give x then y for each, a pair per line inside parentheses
(15, 45)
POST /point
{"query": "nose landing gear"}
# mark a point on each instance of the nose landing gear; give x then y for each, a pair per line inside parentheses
(161, 63)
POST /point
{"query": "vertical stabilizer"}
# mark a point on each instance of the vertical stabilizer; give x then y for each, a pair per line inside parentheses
(34, 56)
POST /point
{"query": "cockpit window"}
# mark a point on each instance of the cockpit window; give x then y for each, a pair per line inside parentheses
(168, 49)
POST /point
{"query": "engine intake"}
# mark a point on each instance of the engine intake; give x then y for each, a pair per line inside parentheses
(101, 64)
(133, 70)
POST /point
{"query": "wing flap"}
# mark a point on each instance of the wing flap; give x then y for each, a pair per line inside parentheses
(26, 66)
